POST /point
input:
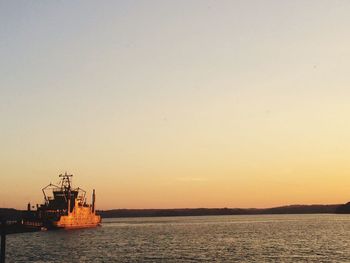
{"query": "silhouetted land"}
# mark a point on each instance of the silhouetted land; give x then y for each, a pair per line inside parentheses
(12, 214)
(343, 209)
(292, 209)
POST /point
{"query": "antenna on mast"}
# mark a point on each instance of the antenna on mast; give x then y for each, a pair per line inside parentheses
(66, 181)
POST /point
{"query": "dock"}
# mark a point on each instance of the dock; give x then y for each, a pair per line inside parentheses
(12, 227)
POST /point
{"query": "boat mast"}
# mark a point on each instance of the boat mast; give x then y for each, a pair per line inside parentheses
(93, 201)
(66, 182)
(66, 188)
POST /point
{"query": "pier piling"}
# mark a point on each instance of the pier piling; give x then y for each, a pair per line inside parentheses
(3, 241)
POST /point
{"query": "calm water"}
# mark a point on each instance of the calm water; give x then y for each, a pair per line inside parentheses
(267, 238)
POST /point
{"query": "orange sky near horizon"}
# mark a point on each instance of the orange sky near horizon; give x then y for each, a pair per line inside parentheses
(176, 104)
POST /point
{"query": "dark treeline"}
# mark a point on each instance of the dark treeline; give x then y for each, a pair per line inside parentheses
(292, 209)
(10, 214)
(13, 214)
(344, 209)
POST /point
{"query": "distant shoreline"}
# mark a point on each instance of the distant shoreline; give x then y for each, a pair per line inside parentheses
(291, 209)
(122, 213)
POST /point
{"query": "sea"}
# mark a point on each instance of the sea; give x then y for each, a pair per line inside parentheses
(238, 238)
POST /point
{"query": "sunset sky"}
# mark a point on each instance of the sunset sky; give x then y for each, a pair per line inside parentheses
(172, 104)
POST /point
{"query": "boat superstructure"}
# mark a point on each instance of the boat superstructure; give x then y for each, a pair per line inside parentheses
(66, 207)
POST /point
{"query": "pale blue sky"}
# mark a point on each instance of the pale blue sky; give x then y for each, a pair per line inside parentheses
(177, 97)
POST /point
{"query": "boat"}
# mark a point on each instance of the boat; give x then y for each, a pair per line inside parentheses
(64, 207)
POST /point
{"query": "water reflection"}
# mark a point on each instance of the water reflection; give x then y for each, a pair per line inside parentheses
(287, 238)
